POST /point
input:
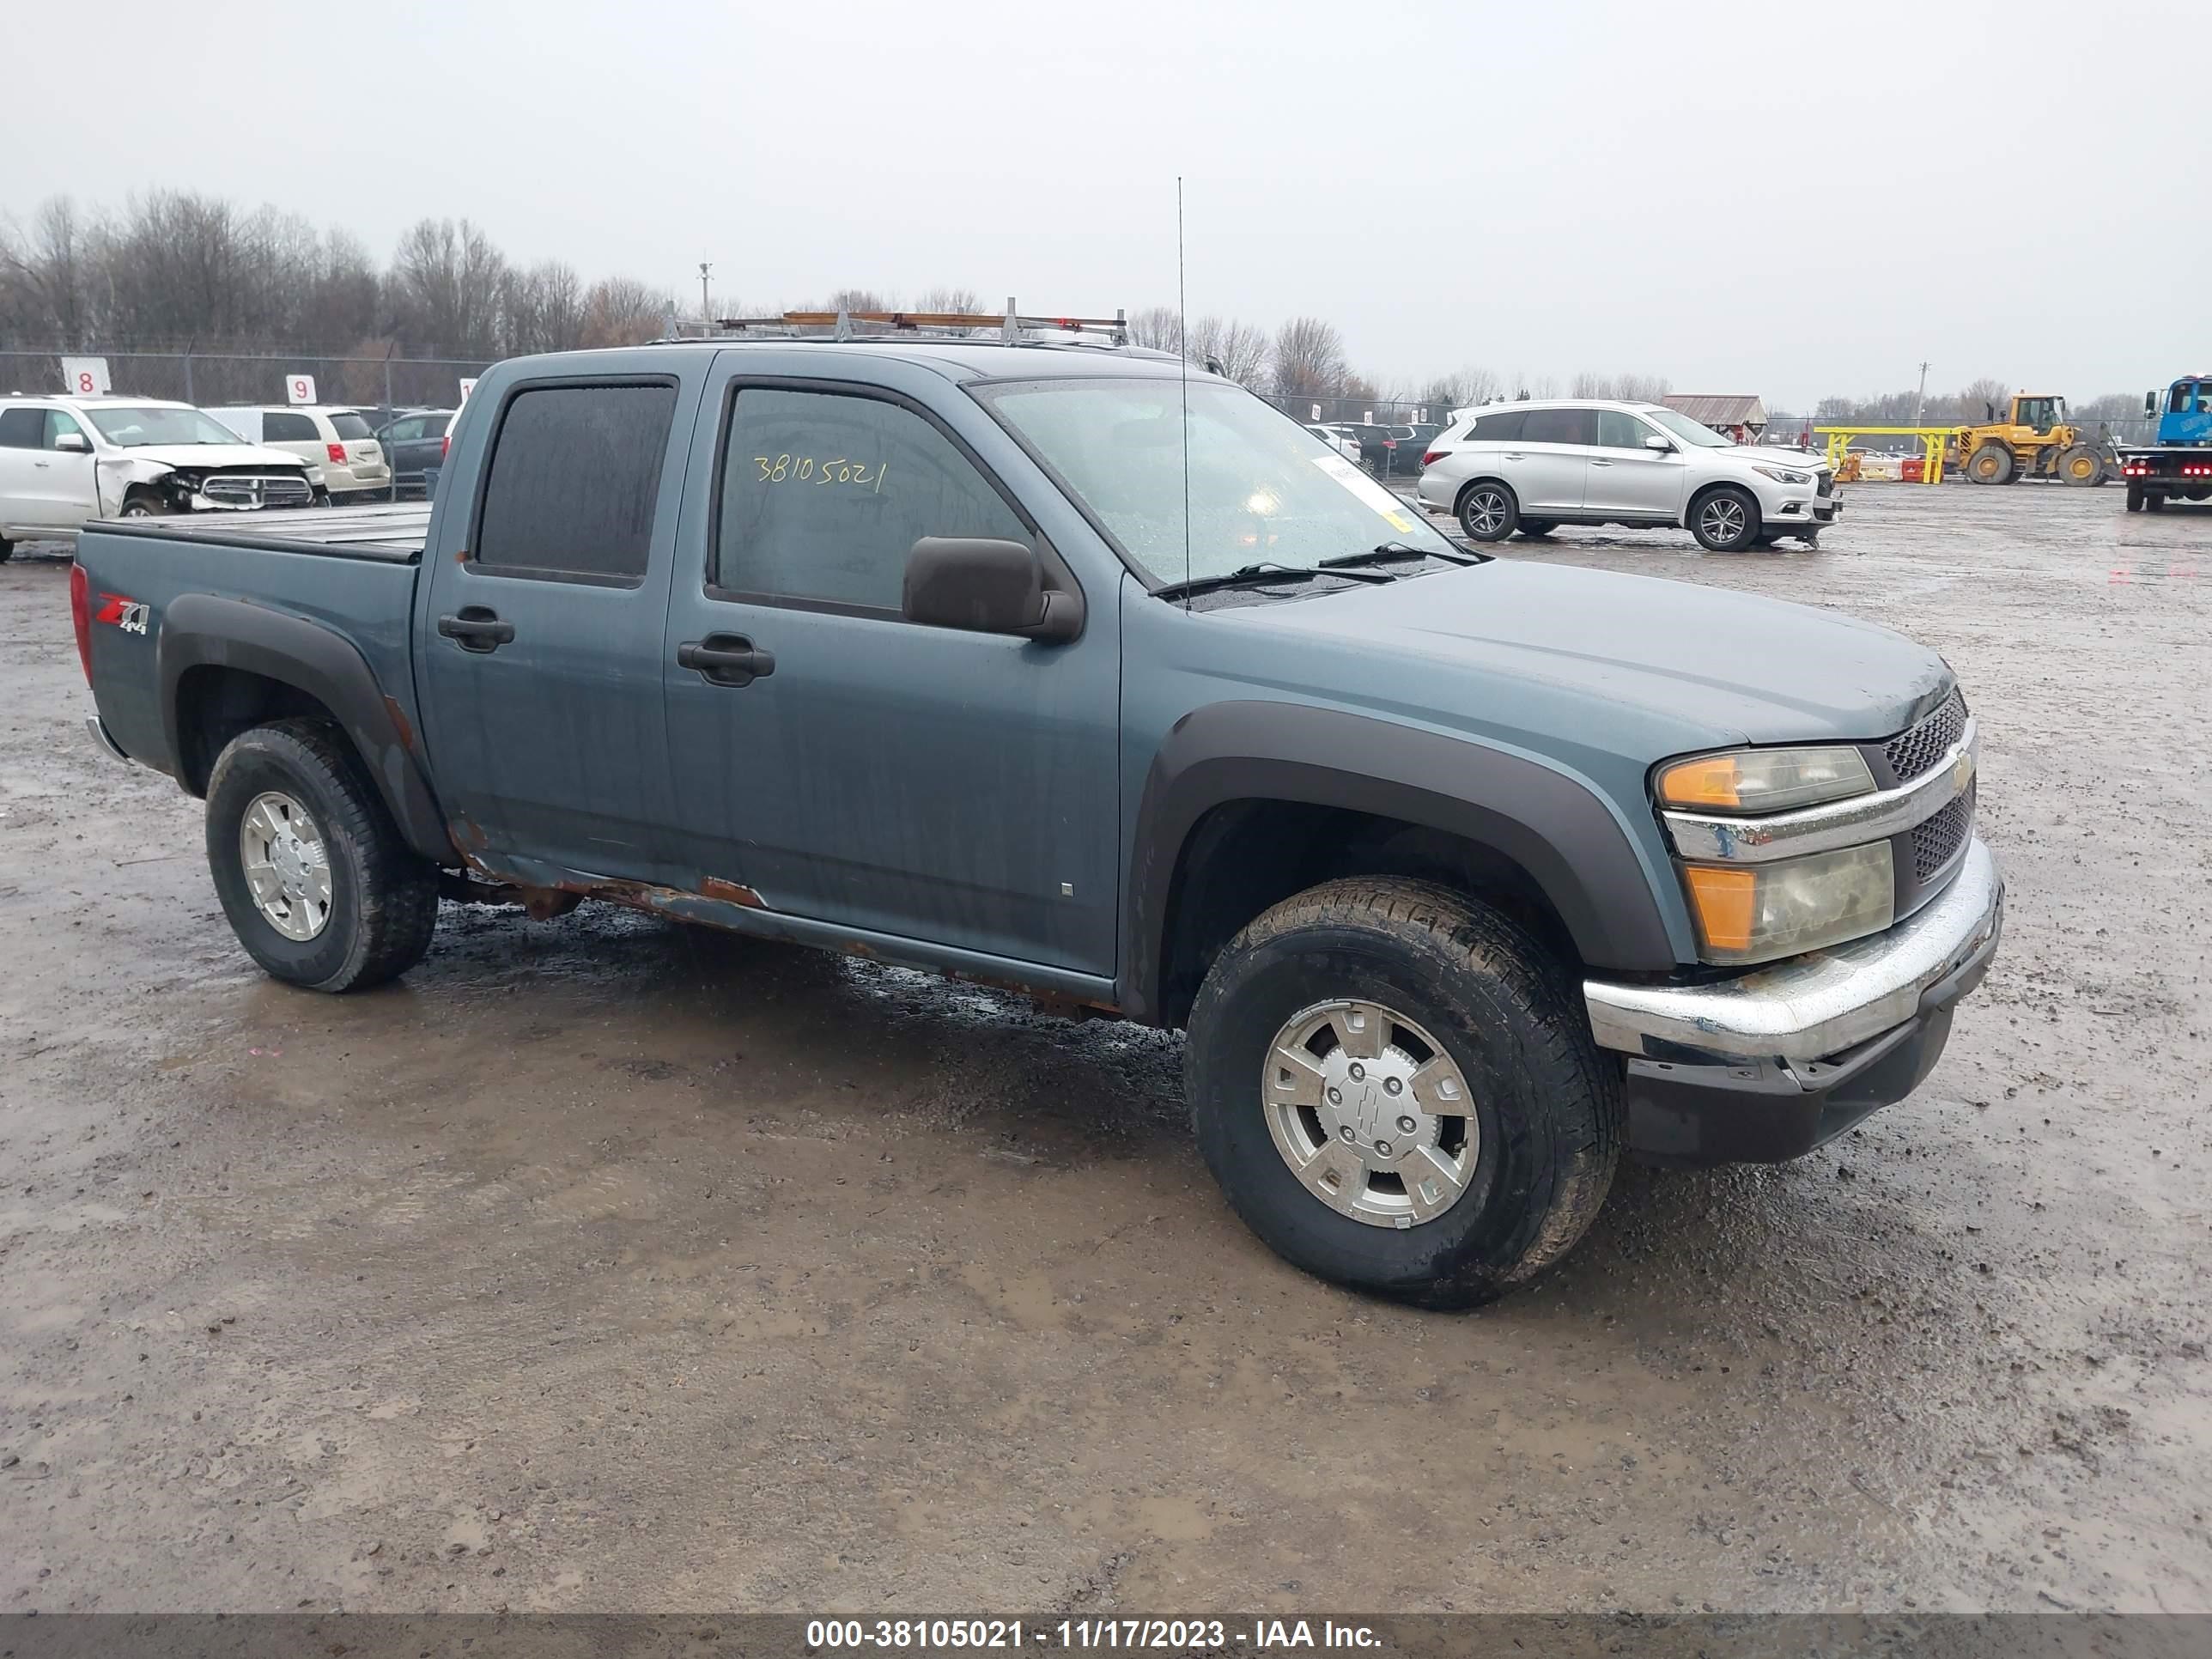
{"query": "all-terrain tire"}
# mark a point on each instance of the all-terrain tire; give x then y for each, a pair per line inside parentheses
(1545, 1102)
(1725, 520)
(383, 896)
(1488, 510)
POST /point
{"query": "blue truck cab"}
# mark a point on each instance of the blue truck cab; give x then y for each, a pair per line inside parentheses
(2178, 465)
(1071, 669)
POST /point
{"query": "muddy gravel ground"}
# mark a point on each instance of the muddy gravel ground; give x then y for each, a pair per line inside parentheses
(602, 1264)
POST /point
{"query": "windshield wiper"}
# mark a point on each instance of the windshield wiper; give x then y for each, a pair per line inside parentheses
(1389, 550)
(1262, 574)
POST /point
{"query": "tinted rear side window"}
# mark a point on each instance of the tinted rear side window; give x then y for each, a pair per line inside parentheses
(1560, 425)
(574, 473)
(283, 427)
(1502, 427)
(349, 426)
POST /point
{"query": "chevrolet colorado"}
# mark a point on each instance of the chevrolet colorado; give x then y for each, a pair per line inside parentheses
(1065, 669)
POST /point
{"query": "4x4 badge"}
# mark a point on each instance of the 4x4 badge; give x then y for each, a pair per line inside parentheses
(129, 615)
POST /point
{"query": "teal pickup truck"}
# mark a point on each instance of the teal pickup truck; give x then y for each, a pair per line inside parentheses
(1063, 668)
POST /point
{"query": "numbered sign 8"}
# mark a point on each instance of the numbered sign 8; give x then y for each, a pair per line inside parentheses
(85, 377)
(301, 388)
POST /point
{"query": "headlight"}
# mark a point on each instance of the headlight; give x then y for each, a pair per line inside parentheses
(1764, 779)
(1782, 474)
(1755, 913)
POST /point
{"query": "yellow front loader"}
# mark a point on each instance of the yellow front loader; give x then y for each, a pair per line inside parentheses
(2033, 439)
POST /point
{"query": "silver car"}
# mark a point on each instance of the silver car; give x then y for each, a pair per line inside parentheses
(1533, 466)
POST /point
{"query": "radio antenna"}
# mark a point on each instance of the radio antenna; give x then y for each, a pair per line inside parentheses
(1183, 351)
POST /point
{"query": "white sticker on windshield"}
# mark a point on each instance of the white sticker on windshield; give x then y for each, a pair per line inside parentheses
(1369, 493)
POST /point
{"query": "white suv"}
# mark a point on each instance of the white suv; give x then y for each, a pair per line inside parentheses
(67, 460)
(1529, 466)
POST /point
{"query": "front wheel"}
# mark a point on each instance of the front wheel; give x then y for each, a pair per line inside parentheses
(309, 866)
(1397, 1090)
(1488, 511)
(1725, 520)
(143, 504)
(2082, 467)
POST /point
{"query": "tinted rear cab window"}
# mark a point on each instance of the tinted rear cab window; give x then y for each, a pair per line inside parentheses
(572, 481)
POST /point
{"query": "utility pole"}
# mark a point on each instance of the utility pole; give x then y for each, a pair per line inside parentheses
(1918, 403)
(705, 311)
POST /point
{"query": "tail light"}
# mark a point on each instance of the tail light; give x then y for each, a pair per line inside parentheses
(445, 445)
(1389, 443)
(336, 453)
(1433, 457)
(81, 615)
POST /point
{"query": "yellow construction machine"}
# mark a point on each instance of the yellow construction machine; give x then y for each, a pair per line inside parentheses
(2032, 440)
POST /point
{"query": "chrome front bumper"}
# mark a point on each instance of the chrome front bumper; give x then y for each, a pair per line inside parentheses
(1821, 1003)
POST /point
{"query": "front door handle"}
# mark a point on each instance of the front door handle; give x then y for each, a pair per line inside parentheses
(1599, 461)
(1514, 455)
(726, 660)
(477, 627)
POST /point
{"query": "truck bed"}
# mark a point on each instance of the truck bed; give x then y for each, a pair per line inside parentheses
(394, 532)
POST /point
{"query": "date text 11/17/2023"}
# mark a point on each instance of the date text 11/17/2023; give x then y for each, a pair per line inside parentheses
(804, 469)
(1161, 1635)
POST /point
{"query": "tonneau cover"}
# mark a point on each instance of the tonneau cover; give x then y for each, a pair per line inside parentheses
(394, 532)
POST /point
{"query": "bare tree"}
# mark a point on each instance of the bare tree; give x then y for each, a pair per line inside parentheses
(447, 282)
(622, 311)
(857, 299)
(1159, 327)
(963, 300)
(1309, 359)
(1985, 399)
(45, 275)
(1238, 350)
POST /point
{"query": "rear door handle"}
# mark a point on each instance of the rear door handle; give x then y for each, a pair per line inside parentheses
(1514, 455)
(1596, 460)
(477, 627)
(726, 660)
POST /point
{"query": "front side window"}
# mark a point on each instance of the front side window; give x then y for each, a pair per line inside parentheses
(404, 431)
(1260, 491)
(825, 493)
(574, 479)
(1560, 425)
(1617, 429)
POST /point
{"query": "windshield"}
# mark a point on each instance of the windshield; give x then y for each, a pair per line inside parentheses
(1688, 430)
(132, 428)
(1261, 488)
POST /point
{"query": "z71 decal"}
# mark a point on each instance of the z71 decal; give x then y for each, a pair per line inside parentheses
(130, 616)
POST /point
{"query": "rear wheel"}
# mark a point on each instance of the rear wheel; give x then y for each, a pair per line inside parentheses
(2134, 499)
(7, 549)
(1488, 511)
(310, 868)
(1396, 1088)
(1992, 464)
(1532, 528)
(1725, 520)
(2154, 502)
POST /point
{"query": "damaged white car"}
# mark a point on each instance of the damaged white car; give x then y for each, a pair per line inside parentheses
(65, 461)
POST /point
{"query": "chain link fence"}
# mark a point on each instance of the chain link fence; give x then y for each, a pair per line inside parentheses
(214, 379)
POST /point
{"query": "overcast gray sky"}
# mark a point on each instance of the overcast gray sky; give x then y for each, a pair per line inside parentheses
(1789, 199)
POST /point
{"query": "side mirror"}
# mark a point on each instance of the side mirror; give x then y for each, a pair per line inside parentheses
(1654, 441)
(987, 587)
(2150, 405)
(72, 443)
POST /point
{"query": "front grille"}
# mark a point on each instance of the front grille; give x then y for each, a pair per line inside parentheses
(1827, 486)
(1915, 752)
(1936, 841)
(257, 490)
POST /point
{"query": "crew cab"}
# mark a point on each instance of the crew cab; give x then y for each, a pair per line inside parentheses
(1076, 672)
(64, 461)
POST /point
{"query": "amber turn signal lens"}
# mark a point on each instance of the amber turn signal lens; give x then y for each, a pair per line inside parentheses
(1725, 901)
(1707, 782)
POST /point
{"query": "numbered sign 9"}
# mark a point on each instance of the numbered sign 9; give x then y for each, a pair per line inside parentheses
(85, 377)
(300, 388)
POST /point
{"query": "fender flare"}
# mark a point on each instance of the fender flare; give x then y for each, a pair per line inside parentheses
(1555, 828)
(200, 630)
